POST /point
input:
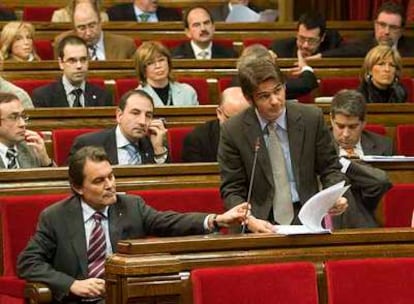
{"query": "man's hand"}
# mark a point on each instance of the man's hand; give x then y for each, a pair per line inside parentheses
(234, 216)
(258, 226)
(37, 144)
(89, 288)
(157, 133)
(340, 206)
(301, 63)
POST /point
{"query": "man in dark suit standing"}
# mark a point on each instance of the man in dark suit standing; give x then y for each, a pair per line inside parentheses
(137, 139)
(312, 38)
(87, 24)
(304, 153)
(19, 147)
(142, 11)
(348, 111)
(199, 28)
(75, 235)
(72, 89)
(201, 144)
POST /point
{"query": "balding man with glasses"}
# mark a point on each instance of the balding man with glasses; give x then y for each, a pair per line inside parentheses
(19, 147)
(72, 89)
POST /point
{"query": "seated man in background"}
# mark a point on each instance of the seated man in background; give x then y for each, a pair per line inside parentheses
(74, 236)
(72, 89)
(220, 12)
(137, 139)
(312, 38)
(142, 11)
(19, 147)
(348, 111)
(199, 28)
(87, 24)
(202, 143)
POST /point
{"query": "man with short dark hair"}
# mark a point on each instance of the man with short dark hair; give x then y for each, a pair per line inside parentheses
(137, 139)
(348, 111)
(312, 37)
(199, 28)
(75, 235)
(72, 89)
(19, 147)
(142, 11)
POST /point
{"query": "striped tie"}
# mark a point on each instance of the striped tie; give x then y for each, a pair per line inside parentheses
(134, 156)
(11, 156)
(97, 248)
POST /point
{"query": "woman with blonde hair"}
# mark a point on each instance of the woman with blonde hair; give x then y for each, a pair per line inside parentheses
(16, 42)
(153, 66)
(380, 76)
(65, 14)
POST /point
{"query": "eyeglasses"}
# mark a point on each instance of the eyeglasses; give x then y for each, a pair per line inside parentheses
(384, 25)
(309, 40)
(83, 27)
(16, 117)
(73, 60)
(160, 60)
(266, 96)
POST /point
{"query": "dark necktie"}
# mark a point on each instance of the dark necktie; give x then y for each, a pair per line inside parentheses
(11, 156)
(97, 248)
(78, 94)
(92, 52)
(144, 17)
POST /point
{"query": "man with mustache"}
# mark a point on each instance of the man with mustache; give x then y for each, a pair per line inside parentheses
(75, 235)
(72, 89)
(19, 147)
(199, 28)
(137, 138)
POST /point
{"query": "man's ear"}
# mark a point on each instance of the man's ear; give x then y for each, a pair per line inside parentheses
(77, 190)
(60, 63)
(118, 114)
(187, 33)
(364, 123)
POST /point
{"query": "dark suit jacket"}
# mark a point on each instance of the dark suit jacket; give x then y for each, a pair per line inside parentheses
(54, 95)
(287, 47)
(375, 144)
(312, 154)
(25, 157)
(57, 254)
(361, 47)
(220, 13)
(201, 144)
(7, 15)
(107, 139)
(125, 12)
(217, 51)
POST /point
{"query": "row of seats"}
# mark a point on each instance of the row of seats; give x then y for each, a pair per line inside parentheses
(398, 208)
(371, 280)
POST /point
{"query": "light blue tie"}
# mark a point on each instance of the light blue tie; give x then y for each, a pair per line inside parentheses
(134, 157)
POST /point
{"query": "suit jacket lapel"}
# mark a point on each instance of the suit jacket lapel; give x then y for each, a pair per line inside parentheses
(90, 96)
(296, 133)
(24, 156)
(115, 213)
(368, 146)
(59, 95)
(111, 147)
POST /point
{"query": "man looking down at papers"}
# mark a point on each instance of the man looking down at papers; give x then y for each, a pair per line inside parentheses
(295, 148)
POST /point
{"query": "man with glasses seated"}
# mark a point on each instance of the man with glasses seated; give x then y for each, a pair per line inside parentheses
(388, 29)
(72, 89)
(19, 147)
(312, 38)
(87, 25)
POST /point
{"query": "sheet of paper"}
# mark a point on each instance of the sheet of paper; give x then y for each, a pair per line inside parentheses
(241, 13)
(296, 229)
(393, 158)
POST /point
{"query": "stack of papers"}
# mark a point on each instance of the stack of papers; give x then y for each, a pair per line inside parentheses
(393, 158)
(242, 13)
(313, 211)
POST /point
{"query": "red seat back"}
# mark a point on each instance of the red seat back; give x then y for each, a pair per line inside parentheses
(175, 138)
(62, 140)
(30, 84)
(123, 85)
(398, 206)
(224, 83)
(44, 49)
(38, 13)
(171, 43)
(369, 281)
(404, 140)
(283, 283)
(330, 86)
(263, 41)
(199, 84)
(183, 200)
(376, 128)
(100, 82)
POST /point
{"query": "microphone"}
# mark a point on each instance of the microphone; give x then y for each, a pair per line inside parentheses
(249, 193)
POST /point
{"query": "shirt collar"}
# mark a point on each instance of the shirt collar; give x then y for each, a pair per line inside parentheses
(88, 211)
(69, 87)
(152, 15)
(281, 121)
(121, 140)
(100, 44)
(197, 49)
(4, 148)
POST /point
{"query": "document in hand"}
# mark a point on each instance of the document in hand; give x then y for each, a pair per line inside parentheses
(314, 210)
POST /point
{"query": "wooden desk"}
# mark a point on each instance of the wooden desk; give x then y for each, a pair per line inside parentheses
(159, 269)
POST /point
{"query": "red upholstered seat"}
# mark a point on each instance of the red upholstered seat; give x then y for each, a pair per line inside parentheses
(175, 139)
(19, 215)
(30, 84)
(283, 283)
(404, 140)
(376, 128)
(369, 281)
(171, 43)
(100, 82)
(224, 83)
(399, 206)
(263, 41)
(408, 84)
(330, 86)
(123, 85)
(62, 140)
(44, 49)
(199, 84)
(38, 13)
(183, 200)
